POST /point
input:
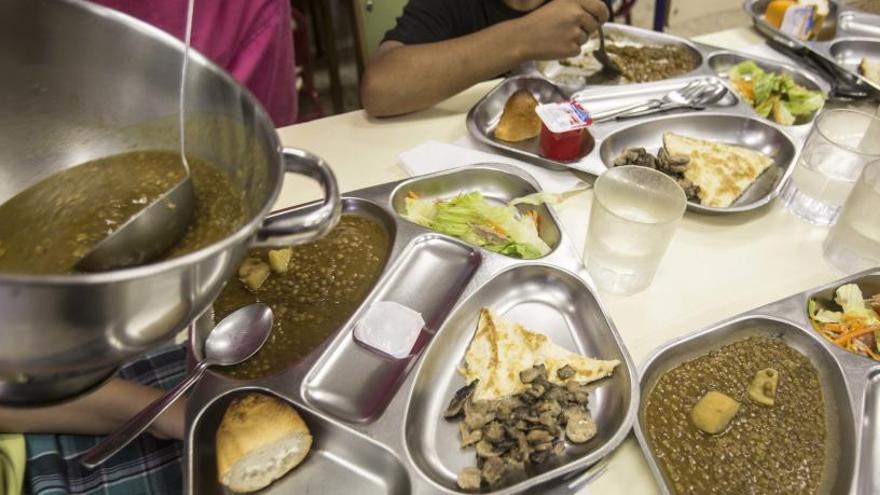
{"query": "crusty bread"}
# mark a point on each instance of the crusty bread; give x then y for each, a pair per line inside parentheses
(721, 171)
(259, 440)
(870, 69)
(519, 121)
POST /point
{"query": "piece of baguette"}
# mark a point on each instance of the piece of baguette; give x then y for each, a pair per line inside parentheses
(259, 440)
(519, 121)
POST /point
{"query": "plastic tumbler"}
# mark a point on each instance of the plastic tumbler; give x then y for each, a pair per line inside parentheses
(634, 215)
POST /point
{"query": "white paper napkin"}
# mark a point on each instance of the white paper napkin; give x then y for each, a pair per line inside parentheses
(434, 156)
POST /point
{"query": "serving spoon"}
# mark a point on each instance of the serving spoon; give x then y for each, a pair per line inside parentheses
(148, 234)
(235, 339)
(158, 227)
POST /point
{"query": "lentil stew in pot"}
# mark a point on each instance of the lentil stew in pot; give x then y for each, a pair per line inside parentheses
(50, 226)
(747, 417)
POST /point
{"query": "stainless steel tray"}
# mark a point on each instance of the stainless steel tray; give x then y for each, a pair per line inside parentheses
(847, 32)
(571, 80)
(732, 121)
(377, 422)
(851, 383)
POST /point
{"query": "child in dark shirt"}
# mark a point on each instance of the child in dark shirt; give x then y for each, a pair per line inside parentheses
(441, 47)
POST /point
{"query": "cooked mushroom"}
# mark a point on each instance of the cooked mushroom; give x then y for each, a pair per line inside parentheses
(580, 428)
(486, 449)
(572, 413)
(493, 470)
(547, 419)
(461, 396)
(514, 434)
(477, 414)
(468, 437)
(558, 447)
(544, 446)
(539, 457)
(531, 374)
(539, 436)
(494, 432)
(555, 394)
(536, 390)
(469, 479)
(565, 372)
(549, 406)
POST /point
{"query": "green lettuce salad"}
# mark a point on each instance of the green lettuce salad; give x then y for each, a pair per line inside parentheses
(499, 228)
(774, 95)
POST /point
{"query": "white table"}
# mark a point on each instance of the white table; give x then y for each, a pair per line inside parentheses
(715, 267)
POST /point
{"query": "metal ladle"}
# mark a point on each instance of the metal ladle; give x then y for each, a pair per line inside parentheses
(158, 227)
(148, 234)
(235, 339)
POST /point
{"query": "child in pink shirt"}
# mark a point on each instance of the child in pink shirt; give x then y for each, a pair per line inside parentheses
(250, 39)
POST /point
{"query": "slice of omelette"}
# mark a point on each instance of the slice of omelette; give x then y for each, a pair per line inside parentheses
(501, 349)
(721, 171)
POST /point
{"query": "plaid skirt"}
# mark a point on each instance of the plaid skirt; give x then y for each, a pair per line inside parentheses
(146, 466)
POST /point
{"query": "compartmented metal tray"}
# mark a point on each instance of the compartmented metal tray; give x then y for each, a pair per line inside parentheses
(377, 422)
(573, 79)
(850, 383)
(847, 33)
(731, 121)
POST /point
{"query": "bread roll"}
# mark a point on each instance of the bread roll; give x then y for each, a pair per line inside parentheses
(259, 440)
(519, 121)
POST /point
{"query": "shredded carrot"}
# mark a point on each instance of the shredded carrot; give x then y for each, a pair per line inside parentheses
(873, 354)
(852, 319)
(847, 337)
(745, 88)
(412, 195)
(834, 327)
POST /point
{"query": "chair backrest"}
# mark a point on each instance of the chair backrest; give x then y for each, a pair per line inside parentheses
(374, 18)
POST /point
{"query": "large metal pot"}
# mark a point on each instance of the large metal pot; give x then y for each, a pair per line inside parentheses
(80, 82)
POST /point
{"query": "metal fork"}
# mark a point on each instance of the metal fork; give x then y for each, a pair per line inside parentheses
(708, 95)
(680, 96)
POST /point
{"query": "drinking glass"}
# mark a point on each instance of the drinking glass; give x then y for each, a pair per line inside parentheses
(634, 214)
(840, 143)
(854, 242)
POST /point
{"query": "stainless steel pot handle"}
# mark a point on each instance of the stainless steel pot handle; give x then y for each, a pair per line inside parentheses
(311, 221)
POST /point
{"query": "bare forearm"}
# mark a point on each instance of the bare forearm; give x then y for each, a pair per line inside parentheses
(407, 78)
(97, 413)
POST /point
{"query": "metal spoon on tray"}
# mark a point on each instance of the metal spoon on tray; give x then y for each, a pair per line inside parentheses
(235, 339)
